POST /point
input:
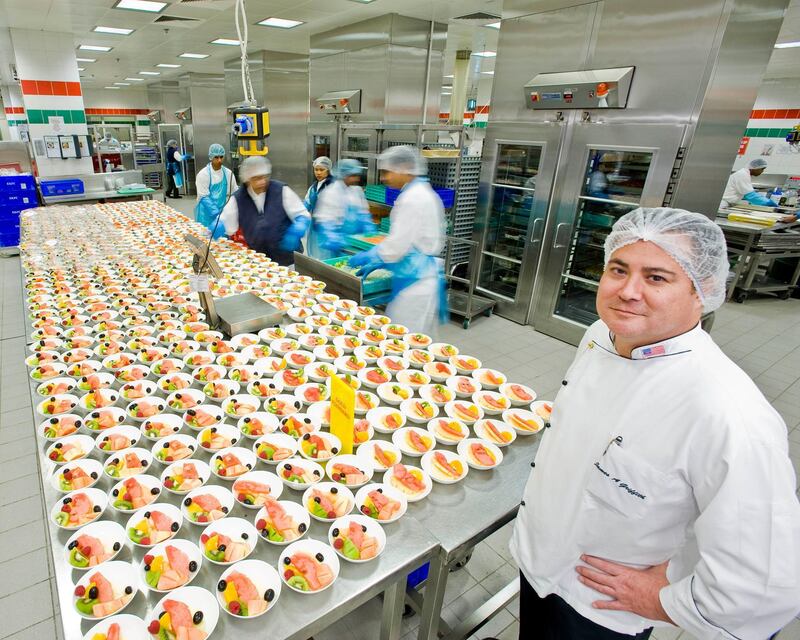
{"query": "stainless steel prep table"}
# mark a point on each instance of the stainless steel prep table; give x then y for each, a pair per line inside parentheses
(460, 516)
(294, 616)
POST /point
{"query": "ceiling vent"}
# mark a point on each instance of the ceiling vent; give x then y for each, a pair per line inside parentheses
(176, 21)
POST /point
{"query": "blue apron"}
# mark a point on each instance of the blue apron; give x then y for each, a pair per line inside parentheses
(210, 207)
(174, 168)
(415, 266)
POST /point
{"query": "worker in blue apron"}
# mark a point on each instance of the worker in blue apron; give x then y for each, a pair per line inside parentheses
(215, 184)
(341, 212)
(322, 178)
(411, 250)
(174, 158)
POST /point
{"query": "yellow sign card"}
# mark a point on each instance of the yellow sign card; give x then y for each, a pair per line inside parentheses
(343, 402)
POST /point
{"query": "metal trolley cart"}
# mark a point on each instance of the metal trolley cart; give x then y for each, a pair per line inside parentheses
(757, 247)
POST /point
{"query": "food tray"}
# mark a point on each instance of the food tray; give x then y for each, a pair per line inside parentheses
(363, 243)
(377, 282)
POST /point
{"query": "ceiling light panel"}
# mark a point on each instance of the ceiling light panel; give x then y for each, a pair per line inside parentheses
(494, 25)
(86, 59)
(164, 65)
(135, 79)
(93, 47)
(149, 73)
(140, 5)
(787, 45)
(226, 41)
(115, 88)
(117, 31)
(485, 54)
(123, 84)
(280, 23)
(196, 56)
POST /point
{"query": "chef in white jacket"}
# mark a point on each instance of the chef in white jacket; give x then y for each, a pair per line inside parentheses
(740, 186)
(411, 250)
(662, 492)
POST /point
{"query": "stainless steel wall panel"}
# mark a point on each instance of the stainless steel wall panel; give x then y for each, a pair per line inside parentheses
(722, 115)
(538, 43)
(209, 124)
(405, 84)
(285, 80)
(368, 70)
(329, 74)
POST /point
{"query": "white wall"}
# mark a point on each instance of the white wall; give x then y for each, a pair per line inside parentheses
(781, 157)
(126, 98)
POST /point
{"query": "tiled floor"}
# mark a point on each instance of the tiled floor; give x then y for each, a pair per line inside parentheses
(763, 336)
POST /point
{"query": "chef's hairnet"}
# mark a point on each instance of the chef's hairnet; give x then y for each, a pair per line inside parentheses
(692, 240)
(403, 159)
(348, 167)
(322, 161)
(172, 143)
(254, 166)
(757, 163)
(216, 150)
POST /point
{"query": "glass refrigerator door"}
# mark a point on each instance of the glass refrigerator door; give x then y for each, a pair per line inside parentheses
(511, 203)
(612, 186)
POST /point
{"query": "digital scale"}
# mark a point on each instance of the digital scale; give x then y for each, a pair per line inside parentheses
(240, 313)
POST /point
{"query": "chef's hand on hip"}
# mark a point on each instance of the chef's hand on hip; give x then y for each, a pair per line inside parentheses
(634, 590)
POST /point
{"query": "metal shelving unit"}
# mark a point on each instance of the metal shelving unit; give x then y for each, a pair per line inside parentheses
(148, 158)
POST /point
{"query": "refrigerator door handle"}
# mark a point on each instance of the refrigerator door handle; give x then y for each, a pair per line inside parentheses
(559, 241)
(536, 234)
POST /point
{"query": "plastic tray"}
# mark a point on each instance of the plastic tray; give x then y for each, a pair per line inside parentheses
(62, 187)
(369, 286)
(18, 183)
(360, 243)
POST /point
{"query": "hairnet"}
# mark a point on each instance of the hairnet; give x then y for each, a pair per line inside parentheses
(692, 240)
(757, 163)
(403, 159)
(322, 161)
(216, 150)
(348, 167)
(254, 166)
(172, 143)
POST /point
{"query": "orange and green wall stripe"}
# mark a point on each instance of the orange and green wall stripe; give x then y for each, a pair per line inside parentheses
(71, 116)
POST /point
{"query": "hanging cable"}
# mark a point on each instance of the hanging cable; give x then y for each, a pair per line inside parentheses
(241, 32)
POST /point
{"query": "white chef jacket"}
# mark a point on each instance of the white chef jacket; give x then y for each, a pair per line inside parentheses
(335, 200)
(292, 204)
(739, 184)
(416, 222)
(203, 185)
(673, 455)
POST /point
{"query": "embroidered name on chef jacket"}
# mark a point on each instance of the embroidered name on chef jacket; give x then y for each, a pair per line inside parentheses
(621, 483)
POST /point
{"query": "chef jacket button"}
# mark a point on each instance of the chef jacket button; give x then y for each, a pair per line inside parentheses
(533, 464)
(564, 383)
(522, 504)
(547, 425)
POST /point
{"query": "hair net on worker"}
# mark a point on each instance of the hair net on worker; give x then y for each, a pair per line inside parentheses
(172, 143)
(757, 163)
(216, 150)
(348, 167)
(694, 242)
(322, 161)
(254, 166)
(403, 159)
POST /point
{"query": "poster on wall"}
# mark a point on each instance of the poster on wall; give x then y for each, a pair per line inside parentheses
(84, 146)
(56, 122)
(52, 146)
(743, 145)
(68, 147)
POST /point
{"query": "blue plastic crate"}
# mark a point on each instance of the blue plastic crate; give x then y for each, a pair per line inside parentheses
(22, 182)
(447, 196)
(9, 237)
(62, 187)
(18, 200)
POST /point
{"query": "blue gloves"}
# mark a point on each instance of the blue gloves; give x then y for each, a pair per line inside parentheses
(330, 238)
(757, 199)
(368, 227)
(291, 239)
(368, 261)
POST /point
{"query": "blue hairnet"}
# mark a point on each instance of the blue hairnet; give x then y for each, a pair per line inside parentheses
(216, 150)
(757, 163)
(348, 167)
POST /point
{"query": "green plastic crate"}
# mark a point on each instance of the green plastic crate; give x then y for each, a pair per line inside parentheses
(378, 281)
(358, 242)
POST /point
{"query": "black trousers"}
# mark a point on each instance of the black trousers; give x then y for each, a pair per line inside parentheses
(551, 618)
(172, 188)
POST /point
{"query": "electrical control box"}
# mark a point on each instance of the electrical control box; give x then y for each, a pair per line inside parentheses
(590, 89)
(251, 128)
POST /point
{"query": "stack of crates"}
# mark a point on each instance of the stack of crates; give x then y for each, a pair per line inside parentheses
(443, 176)
(17, 193)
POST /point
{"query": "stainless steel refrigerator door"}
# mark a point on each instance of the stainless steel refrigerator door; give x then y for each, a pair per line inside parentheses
(168, 132)
(608, 170)
(519, 164)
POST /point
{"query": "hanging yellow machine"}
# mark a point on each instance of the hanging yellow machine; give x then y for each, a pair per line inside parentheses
(251, 126)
